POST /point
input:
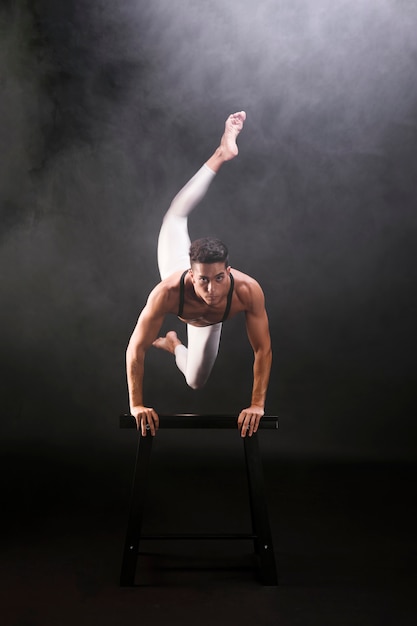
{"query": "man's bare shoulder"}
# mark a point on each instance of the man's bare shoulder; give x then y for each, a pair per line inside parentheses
(171, 282)
(165, 294)
(247, 289)
(244, 281)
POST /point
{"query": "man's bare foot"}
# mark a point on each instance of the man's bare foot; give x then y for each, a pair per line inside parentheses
(227, 149)
(232, 128)
(168, 343)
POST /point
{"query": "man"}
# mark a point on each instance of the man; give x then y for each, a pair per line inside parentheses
(199, 286)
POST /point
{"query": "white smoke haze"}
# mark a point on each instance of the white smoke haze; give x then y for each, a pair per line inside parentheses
(107, 108)
(339, 71)
(115, 98)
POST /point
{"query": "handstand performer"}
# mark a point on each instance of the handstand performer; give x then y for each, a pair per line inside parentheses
(199, 286)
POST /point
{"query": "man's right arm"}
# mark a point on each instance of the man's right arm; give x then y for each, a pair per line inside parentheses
(145, 332)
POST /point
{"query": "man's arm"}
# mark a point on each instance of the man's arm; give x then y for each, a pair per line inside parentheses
(145, 332)
(257, 327)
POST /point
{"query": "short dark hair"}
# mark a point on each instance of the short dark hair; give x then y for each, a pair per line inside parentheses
(209, 250)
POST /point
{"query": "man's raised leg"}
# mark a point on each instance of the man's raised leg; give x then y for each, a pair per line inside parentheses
(174, 241)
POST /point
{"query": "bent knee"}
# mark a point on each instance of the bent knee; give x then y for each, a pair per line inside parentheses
(196, 383)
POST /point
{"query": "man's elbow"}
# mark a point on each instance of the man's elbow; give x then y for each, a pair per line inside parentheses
(264, 353)
(134, 351)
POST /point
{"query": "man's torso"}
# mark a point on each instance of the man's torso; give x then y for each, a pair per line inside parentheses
(195, 311)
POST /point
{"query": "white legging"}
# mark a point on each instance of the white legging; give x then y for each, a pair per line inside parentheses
(196, 361)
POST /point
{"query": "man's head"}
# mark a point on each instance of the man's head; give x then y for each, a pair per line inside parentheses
(209, 250)
(210, 269)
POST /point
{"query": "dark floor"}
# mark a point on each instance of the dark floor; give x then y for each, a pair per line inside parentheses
(344, 538)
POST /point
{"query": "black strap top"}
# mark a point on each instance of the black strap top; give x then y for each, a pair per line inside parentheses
(229, 296)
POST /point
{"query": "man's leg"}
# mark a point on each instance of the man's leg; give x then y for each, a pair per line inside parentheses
(174, 241)
(196, 361)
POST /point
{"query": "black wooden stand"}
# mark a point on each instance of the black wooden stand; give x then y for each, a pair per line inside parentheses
(261, 532)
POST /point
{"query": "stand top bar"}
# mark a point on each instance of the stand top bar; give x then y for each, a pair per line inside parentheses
(194, 420)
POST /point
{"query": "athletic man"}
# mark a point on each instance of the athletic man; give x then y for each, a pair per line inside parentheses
(199, 286)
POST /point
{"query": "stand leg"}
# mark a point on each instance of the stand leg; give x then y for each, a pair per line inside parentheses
(260, 522)
(140, 477)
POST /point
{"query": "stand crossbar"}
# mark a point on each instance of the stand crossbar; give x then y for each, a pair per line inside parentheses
(193, 420)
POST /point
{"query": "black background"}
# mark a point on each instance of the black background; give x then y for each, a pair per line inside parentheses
(106, 110)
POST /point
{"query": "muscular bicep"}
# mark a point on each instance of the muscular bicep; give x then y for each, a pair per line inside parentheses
(149, 322)
(146, 330)
(257, 327)
(257, 324)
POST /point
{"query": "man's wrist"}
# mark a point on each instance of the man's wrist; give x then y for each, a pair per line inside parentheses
(261, 405)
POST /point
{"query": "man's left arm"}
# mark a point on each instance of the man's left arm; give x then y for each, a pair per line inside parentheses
(257, 327)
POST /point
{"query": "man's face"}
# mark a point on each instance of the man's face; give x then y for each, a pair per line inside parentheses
(211, 281)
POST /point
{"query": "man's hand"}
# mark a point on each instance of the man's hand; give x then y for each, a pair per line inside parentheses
(146, 420)
(248, 420)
